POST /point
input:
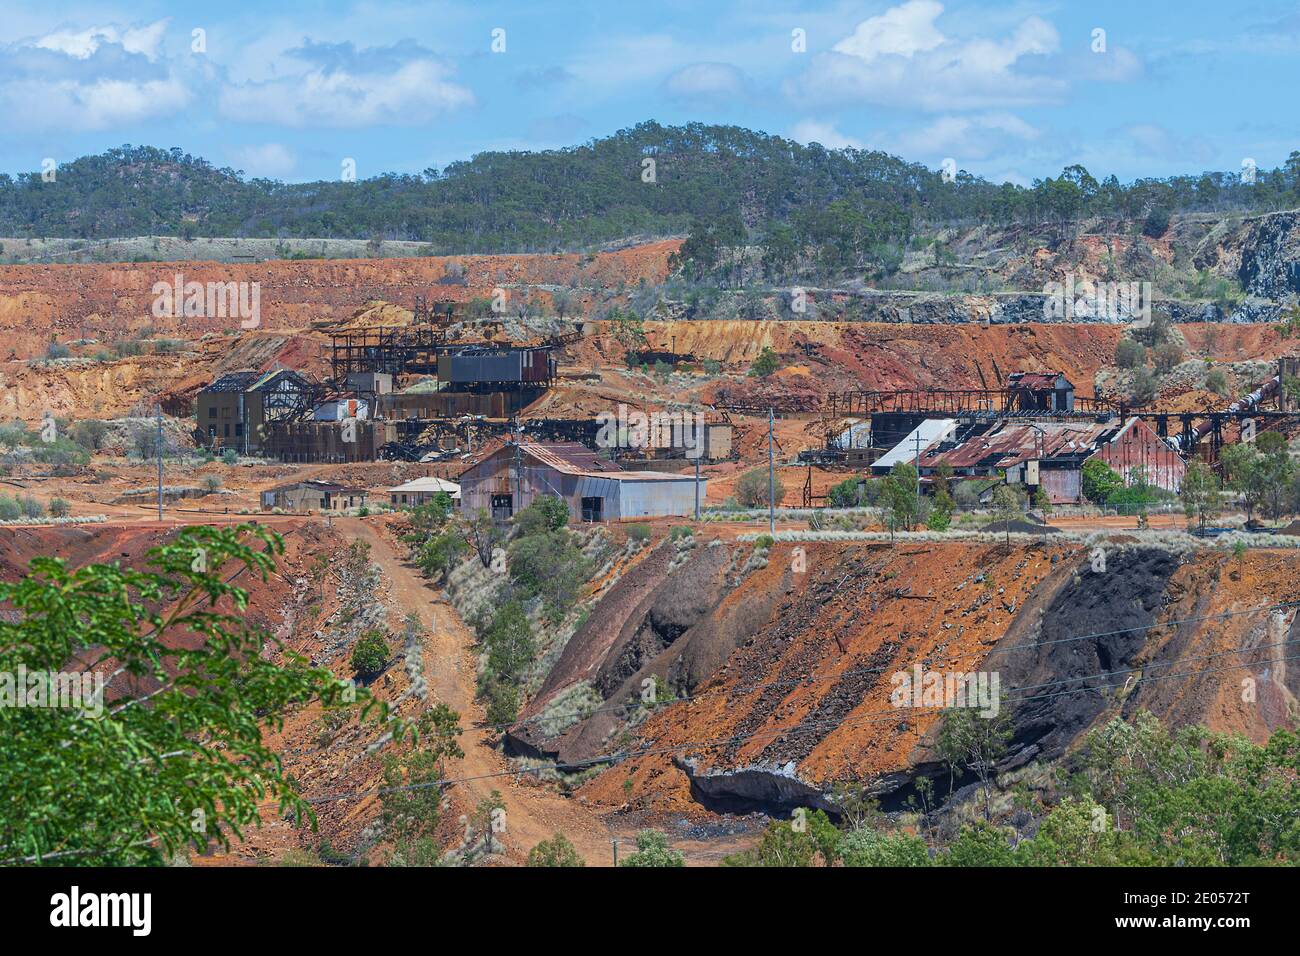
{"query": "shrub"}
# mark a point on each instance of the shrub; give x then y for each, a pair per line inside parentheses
(652, 850)
(1167, 355)
(1100, 482)
(370, 653)
(502, 704)
(765, 363)
(1130, 354)
(546, 513)
(940, 517)
(845, 494)
(551, 566)
(10, 509)
(1143, 389)
(1217, 382)
(510, 644)
(557, 851)
(869, 848)
(230, 456)
(752, 489)
(89, 433)
(639, 532)
(1156, 223)
(59, 508)
(440, 553)
(212, 483)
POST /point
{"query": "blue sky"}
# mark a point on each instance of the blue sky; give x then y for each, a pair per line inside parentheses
(1010, 91)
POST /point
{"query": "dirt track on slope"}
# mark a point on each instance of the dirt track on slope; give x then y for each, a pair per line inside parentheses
(533, 814)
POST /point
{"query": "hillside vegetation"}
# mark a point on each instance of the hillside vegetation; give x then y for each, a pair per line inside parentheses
(721, 183)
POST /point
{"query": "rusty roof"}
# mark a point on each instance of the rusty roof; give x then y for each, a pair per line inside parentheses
(569, 458)
(1016, 442)
(1034, 380)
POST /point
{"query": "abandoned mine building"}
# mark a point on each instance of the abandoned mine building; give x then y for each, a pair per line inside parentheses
(1050, 454)
(594, 488)
(314, 495)
(418, 491)
(235, 411)
(1039, 392)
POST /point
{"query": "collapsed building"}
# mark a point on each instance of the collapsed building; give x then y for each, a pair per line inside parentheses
(1046, 454)
(312, 495)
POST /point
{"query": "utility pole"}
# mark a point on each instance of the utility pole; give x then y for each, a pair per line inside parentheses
(160, 467)
(518, 503)
(771, 475)
(697, 487)
(614, 842)
(918, 470)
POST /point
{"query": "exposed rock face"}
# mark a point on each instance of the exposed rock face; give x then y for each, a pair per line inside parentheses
(1270, 256)
(804, 697)
(1007, 308)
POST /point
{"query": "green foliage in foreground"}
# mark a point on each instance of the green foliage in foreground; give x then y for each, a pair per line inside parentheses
(557, 851)
(1143, 796)
(652, 850)
(176, 757)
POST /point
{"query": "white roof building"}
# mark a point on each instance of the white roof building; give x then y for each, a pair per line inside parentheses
(419, 490)
(932, 431)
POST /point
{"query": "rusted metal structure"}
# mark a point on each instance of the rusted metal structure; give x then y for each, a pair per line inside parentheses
(395, 349)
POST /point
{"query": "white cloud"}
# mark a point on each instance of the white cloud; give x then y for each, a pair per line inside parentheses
(964, 138)
(91, 79)
(272, 160)
(81, 44)
(68, 104)
(816, 131)
(1117, 65)
(902, 59)
(707, 81)
(338, 85)
(904, 31)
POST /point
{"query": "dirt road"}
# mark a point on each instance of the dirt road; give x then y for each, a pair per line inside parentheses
(533, 813)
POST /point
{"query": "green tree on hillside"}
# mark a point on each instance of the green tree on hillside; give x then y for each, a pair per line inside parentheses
(176, 758)
(1201, 493)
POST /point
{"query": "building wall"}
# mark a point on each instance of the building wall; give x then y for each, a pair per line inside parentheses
(649, 499)
(411, 499)
(505, 365)
(323, 441)
(218, 416)
(717, 442)
(444, 404)
(1140, 447)
(1064, 485)
(336, 411)
(624, 498)
(307, 498)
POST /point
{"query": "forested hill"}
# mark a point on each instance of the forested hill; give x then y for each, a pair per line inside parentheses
(585, 195)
